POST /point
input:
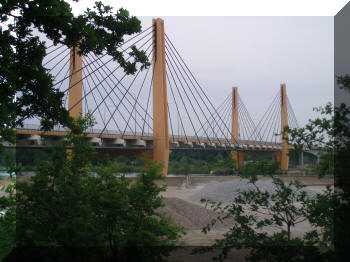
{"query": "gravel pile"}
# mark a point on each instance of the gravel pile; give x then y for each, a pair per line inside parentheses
(225, 192)
(189, 215)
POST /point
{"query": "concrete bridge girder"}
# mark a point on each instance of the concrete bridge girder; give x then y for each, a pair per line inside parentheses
(186, 144)
(118, 142)
(210, 145)
(95, 141)
(232, 146)
(199, 145)
(174, 144)
(136, 143)
(42, 141)
(30, 140)
(220, 145)
(106, 141)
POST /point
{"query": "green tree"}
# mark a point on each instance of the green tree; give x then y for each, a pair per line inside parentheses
(127, 216)
(8, 212)
(327, 213)
(69, 203)
(26, 88)
(318, 133)
(225, 165)
(256, 210)
(7, 221)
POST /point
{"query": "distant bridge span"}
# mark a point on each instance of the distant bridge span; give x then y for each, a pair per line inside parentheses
(228, 127)
(32, 136)
(113, 144)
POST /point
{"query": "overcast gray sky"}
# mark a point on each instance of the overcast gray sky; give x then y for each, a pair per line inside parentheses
(257, 54)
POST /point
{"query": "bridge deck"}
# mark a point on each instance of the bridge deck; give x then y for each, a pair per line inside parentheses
(32, 136)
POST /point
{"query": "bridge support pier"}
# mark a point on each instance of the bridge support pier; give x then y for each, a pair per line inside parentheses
(234, 131)
(75, 92)
(240, 156)
(235, 156)
(284, 123)
(160, 109)
(301, 158)
(235, 123)
(280, 156)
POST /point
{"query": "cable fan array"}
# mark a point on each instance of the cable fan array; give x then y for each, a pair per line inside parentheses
(109, 94)
(246, 127)
(269, 125)
(192, 115)
(122, 104)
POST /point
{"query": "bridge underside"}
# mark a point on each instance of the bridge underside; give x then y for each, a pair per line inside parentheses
(139, 153)
(134, 146)
(31, 137)
(240, 156)
(228, 127)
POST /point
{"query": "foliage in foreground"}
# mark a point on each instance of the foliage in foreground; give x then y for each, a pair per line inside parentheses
(26, 86)
(69, 203)
(327, 213)
(256, 210)
(201, 162)
(7, 220)
(8, 210)
(318, 134)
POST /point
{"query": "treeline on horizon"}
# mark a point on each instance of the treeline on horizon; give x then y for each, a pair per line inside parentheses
(181, 162)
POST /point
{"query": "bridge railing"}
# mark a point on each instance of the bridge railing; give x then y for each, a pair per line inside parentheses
(37, 127)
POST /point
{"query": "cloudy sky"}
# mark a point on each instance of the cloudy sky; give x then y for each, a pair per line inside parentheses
(257, 54)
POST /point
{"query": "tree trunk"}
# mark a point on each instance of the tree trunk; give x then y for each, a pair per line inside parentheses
(288, 228)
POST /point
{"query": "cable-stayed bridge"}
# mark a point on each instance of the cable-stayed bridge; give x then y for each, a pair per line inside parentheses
(158, 109)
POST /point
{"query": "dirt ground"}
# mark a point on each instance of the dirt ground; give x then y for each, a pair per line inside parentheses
(181, 188)
(3, 183)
